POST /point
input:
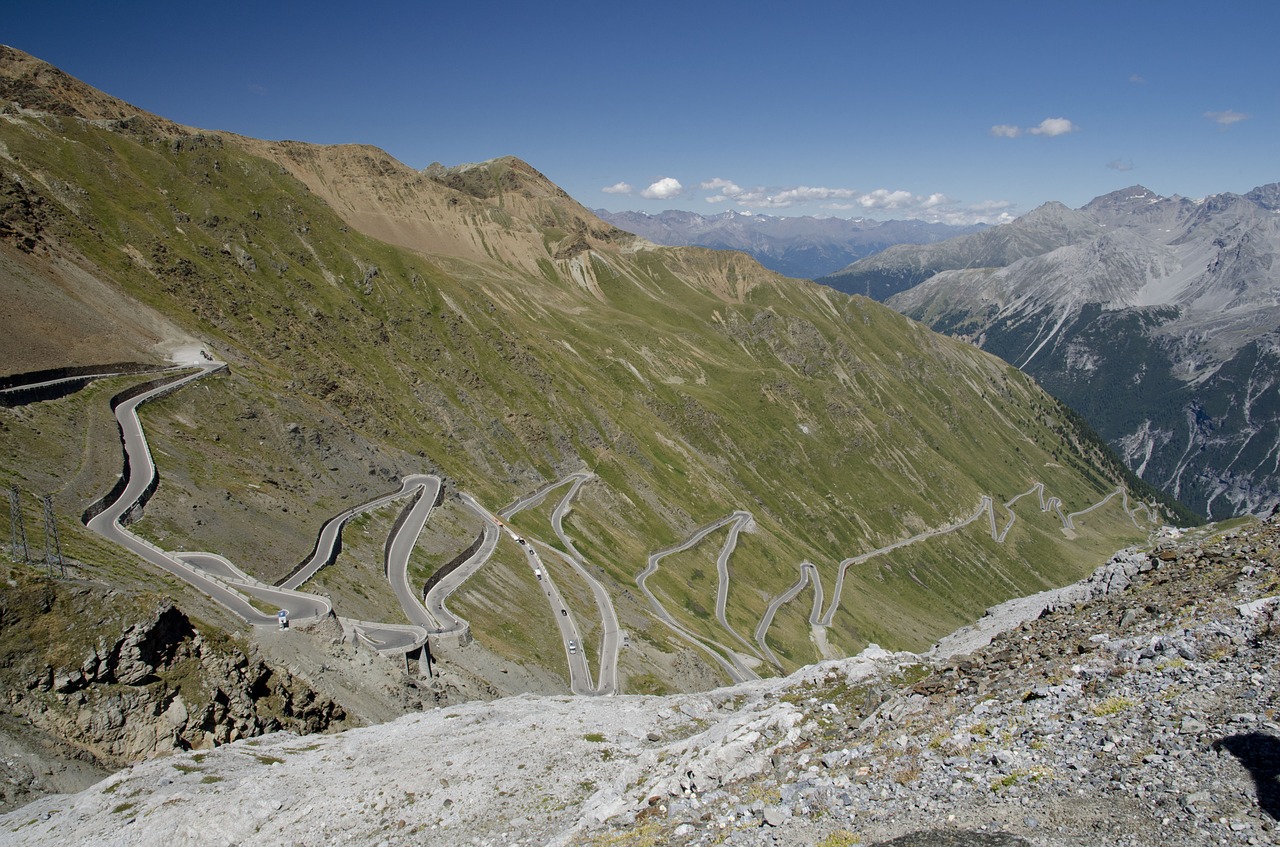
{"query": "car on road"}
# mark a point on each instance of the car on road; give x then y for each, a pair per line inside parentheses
(573, 646)
(564, 612)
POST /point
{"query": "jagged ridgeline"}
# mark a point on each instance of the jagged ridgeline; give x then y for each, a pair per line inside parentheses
(1153, 317)
(478, 323)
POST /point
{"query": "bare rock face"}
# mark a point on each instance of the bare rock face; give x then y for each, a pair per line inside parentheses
(150, 644)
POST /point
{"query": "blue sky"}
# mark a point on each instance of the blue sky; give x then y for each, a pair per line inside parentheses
(936, 110)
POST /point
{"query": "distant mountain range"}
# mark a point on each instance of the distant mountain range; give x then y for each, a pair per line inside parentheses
(1154, 317)
(804, 247)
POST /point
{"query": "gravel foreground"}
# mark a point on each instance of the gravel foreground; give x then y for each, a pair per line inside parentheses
(1135, 708)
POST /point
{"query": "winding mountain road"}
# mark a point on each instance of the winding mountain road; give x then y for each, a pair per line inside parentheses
(210, 573)
(808, 573)
(733, 665)
(330, 537)
(226, 584)
(580, 678)
(404, 539)
(142, 471)
(610, 633)
(986, 505)
(299, 605)
(740, 520)
(445, 621)
(30, 384)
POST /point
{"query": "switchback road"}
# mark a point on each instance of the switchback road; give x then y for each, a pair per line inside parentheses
(728, 659)
(401, 547)
(231, 587)
(331, 533)
(446, 623)
(142, 471)
(210, 573)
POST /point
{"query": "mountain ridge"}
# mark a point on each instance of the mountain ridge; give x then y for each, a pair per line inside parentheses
(1168, 300)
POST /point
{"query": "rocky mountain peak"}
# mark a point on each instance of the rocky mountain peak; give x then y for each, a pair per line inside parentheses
(1165, 296)
(1266, 196)
(33, 84)
(489, 179)
(1052, 215)
(1124, 198)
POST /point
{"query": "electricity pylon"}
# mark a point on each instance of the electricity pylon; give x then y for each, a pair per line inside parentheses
(52, 549)
(17, 532)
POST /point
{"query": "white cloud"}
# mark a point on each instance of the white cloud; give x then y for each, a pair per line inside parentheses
(1226, 118)
(1049, 127)
(991, 206)
(984, 212)
(618, 188)
(728, 189)
(663, 189)
(934, 207)
(805, 194)
(1120, 165)
(724, 186)
(1053, 126)
(887, 200)
(1137, 79)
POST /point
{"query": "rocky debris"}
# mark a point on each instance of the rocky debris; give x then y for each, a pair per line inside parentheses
(241, 256)
(1114, 576)
(571, 246)
(1145, 714)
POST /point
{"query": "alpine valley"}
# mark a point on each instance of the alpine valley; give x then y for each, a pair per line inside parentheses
(1154, 317)
(661, 470)
(799, 246)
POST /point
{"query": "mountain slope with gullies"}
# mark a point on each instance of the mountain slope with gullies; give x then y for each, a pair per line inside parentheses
(1154, 317)
(476, 323)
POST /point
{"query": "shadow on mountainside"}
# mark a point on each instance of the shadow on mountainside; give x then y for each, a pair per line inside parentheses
(1260, 754)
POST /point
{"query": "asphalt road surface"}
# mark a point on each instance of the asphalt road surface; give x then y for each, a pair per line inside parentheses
(401, 547)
